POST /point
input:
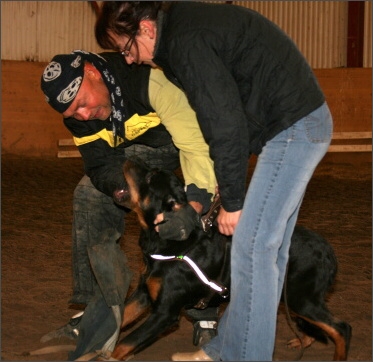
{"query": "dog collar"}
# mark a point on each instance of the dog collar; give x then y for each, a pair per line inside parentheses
(223, 291)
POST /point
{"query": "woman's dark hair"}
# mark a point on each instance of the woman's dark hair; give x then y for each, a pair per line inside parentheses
(123, 18)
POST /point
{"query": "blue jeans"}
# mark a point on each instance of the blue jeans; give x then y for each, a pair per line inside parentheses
(261, 240)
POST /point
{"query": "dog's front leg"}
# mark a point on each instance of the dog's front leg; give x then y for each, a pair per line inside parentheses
(137, 304)
(145, 335)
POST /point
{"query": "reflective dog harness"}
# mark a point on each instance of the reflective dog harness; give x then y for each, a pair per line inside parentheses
(223, 291)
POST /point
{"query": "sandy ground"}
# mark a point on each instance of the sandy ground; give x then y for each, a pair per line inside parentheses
(36, 271)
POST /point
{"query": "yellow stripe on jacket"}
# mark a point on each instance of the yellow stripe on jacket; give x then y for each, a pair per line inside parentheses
(134, 127)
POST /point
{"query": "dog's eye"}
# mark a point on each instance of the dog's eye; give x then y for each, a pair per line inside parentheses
(169, 204)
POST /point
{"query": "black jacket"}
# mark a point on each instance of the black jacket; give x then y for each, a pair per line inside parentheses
(244, 77)
(102, 161)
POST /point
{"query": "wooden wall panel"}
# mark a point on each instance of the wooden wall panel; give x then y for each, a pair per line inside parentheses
(19, 24)
(37, 30)
(31, 127)
(348, 92)
(367, 57)
(317, 27)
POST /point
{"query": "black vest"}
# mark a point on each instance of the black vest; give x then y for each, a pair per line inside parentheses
(134, 83)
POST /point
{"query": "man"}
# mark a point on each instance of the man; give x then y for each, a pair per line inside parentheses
(110, 108)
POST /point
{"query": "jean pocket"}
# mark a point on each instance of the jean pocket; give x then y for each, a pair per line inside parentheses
(319, 125)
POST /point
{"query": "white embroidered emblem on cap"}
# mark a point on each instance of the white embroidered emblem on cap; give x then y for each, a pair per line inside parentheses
(52, 71)
(76, 63)
(70, 91)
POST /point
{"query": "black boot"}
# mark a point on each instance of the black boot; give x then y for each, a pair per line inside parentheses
(205, 324)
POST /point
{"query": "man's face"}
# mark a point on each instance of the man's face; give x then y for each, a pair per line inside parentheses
(92, 100)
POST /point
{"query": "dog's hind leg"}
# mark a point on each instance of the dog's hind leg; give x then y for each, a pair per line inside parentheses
(314, 319)
(338, 331)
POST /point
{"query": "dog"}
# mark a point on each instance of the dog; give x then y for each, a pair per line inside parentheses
(170, 283)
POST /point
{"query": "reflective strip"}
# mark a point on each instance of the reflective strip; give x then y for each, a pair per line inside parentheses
(162, 257)
(194, 267)
(201, 275)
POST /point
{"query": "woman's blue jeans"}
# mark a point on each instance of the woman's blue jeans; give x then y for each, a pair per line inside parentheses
(262, 237)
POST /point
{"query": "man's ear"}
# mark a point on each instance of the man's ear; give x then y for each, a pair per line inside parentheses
(91, 71)
(148, 27)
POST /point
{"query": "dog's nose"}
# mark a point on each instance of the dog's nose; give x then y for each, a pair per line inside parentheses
(120, 196)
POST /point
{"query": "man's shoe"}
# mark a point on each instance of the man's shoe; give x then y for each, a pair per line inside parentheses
(69, 330)
(191, 356)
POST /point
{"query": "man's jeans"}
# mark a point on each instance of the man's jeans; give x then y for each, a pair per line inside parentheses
(98, 224)
(261, 240)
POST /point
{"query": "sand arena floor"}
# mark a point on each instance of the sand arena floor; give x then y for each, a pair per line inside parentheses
(36, 271)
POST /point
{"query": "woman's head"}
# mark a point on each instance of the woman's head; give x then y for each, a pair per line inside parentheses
(128, 27)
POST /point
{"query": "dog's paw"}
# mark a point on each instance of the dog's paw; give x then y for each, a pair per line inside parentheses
(302, 342)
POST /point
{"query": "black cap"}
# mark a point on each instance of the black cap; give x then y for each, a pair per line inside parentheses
(62, 79)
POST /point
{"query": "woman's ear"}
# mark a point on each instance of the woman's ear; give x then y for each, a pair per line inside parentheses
(148, 27)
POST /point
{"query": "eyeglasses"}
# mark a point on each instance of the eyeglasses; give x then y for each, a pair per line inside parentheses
(126, 50)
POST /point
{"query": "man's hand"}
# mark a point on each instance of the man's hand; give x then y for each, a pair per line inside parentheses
(177, 225)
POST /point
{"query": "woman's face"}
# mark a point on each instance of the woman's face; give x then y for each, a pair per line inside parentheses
(143, 53)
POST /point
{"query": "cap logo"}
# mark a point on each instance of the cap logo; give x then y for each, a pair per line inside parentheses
(76, 63)
(52, 71)
(70, 91)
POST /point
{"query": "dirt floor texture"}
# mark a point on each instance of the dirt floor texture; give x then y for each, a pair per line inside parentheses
(36, 282)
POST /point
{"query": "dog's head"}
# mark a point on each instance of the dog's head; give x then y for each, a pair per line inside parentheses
(149, 192)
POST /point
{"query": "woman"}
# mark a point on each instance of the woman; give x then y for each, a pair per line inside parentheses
(253, 93)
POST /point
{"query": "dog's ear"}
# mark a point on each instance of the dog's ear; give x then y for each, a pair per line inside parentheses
(135, 175)
(135, 169)
(178, 190)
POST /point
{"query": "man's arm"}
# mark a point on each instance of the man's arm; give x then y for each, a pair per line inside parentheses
(102, 161)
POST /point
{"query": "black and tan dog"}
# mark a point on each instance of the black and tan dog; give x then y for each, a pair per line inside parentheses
(171, 284)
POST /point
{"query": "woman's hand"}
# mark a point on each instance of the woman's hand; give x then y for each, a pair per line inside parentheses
(158, 220)
(227, 221)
